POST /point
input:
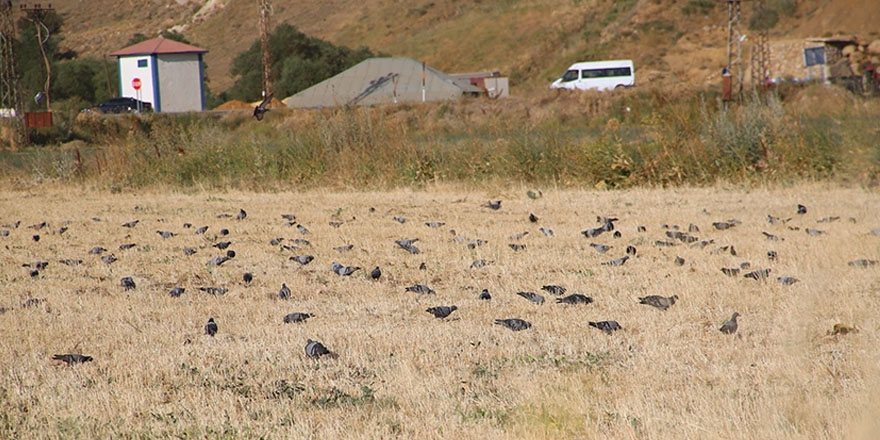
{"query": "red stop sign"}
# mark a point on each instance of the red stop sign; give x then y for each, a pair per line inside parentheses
(136, 83)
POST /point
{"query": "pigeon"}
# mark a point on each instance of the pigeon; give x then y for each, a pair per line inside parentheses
(474, 244)
(660, 302)
(484, 295)
(222, 245)
(664, 243)
(315, 349)
(814, 232)
(574, 298)
(201, 230)
(302, 241)
(400, 220)
(606, 326)
(760, 274)
(302, 259)
(519, 236)
(127, 283)
(284, 293)
(276, 241)
(600, 248)
(679, 261)
(247, 277)
(801, 209)
(631, 250)
(72, 358)
(261, 109)
(553, 289)
(514, 324)
(218, 261)
(420, 288)
(34, 273)
(533, 218)
(861, 262)
(213, 290)
(589, 233)
(126, 246)
(166, 234)
(109, 259)
(288, 217)
(189, 251)
(546, 232)
(434, 224)
(729, 327)
(376, 273)
(296, 317)
(441, 311)
(532, 296)
(37, 264)
(343, 270)
(38, 226)
(241, 214)
(771, 254)
(187, 225)
(828, 219)
(723, 225)
(478, 263)
(97, 250)
(335, 225)
(641, 229)
(692, 228)
(408, 245)
(344, 248)
(787, 281)
(211, 327)
(617, 261)
(71, 262)
(130, 224)
(302, 229)
(177, 291)
(842, 329)
(533, 195)
(4, 233)
(496, 205)
(517, 246)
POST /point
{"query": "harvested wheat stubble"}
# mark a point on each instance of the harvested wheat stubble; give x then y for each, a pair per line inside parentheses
(401, 372)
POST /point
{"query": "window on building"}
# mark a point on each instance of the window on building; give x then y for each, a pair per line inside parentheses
(142, 63)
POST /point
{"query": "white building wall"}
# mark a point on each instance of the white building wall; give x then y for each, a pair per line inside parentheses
(180, 82)
(129, 69)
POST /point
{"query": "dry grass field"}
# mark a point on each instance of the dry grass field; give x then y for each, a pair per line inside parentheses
(402, 373)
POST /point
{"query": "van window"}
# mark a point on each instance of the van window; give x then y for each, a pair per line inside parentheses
(570, 75)
(606, 73)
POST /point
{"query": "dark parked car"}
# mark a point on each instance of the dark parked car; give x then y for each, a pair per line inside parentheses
(123, 105)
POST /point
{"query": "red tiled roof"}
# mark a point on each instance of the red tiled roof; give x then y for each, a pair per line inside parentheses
(157, 46)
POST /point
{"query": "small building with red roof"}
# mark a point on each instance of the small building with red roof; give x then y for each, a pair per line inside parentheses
(166, 73)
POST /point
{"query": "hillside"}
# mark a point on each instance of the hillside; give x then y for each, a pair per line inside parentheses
(531, 41)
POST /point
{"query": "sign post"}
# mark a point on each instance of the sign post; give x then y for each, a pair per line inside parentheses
(136, 84)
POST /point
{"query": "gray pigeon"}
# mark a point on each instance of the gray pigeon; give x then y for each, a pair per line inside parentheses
(276, 241)
(519, 236)
(517, 247)
(211, 327)
(631, 250)
(127, 283)
(441, 311)
(554, 289)
(343, 270)
(189, 251)
(496, 205)
(474, 244)
(247, 277)
(514, 324)
(606, 326)
(222, 245)
(166, 234)
(801, 209)
(71, 262)
(533, 218)
(400, 220)
(241, 214)
(660, 302)
(434, 224)
(97, 250)
(131, 224)
(478, 263)
(109, 259)
(729, 327)
(532, 296)
(284, 293)
(376, 273)
(814, 232)
(723, 225)
(600, 248)
(730, 271)
(546, 232)
(296, 317)
(772, 237)
(617, 261)
(201, 230)
(408, 245)
(177, 291)
(303, 259)
(263, 107)
(484, 295)
(575, 298)
(772, 255)
(315, 349)
(420, 288)
(302, 229)
(126, 246)
(335, 225)
(345, 248)
(288, 217)
(861, 262)
(595, 232)
(214, 290)
(218, 261)
(679, 261)
(72, 358)
(787, 281)
(760, 274)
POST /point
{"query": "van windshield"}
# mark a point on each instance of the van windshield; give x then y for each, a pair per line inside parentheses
(570, 75)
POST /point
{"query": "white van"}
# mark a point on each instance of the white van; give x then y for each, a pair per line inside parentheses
(598, 75)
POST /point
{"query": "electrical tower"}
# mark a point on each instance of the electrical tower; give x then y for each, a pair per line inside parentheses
(10, 97)
(735, 39)
(265, 15)
(760, 62)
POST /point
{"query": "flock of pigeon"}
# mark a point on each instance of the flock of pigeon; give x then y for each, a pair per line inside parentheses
(315, 349)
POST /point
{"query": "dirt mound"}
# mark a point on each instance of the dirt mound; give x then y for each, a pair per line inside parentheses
(234, 105)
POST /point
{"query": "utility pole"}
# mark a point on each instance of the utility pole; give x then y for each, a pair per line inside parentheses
(10, 96)
(265, 15)
(760, 62)
(35, 13)
(735, 39)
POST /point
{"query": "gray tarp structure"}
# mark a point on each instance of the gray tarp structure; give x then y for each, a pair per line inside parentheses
(382, 81)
